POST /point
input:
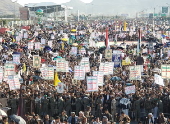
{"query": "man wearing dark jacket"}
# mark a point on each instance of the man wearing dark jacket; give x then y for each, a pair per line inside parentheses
(140, 60)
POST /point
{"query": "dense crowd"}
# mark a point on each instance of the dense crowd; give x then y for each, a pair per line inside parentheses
(38, 101)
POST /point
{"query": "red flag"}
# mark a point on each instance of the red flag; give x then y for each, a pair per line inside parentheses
(31, 39)
(107, 39)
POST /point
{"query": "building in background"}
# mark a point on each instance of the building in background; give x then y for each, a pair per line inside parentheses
(51, 10)
(24, 13)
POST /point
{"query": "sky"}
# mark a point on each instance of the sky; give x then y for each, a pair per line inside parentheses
(23, 2)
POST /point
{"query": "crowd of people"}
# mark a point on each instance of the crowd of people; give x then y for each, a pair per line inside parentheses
(39, 102)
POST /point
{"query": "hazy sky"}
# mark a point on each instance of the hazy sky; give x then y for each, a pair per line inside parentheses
(23, 2)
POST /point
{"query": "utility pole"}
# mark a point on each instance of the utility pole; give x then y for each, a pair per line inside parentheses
(78, 14)
(154, 21)
(139, 41)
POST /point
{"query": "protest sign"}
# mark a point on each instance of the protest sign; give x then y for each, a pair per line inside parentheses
(60, 65)
(18, 38)
(130, 89)
(116, 58)
(36, 61)
(135, 73)
(79, 72)
(82, 51)
(104, 67)
(30, 45)
(165, 71)
(36, 34)
(50, 73)
(110, 68)
(100, 78)
(66, 69)
(9, 69)
(125, 63)
(61, 87)
(37, 45)
(92, 84)
(10, 81)
(43, 41)
(13, 82)
(141, 68)
(1, 39)
(16, 58)
(108, 54)
(158, 80)
(50, 43)
(85, 62)
(1, 74)
(73, 51)
(25, 35)
(16, 82)
(52, 37)
(44, 72)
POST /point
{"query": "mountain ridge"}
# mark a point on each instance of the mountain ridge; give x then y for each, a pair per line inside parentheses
(7, 7)
(116, 7)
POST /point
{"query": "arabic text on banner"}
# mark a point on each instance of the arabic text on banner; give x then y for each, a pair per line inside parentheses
(50, 43)
(92, 84)
(37, 45)
(130, 89)
(9, 69)
(73, 51)
(100, 78)
(158, 80)
(79, 72)
(50, 73)
(82, 51)
(25, 35)
(43, 41)
(165, 71)
(30, 46)
(61, 65)
(44, 72)
(16, 58)
(13, 82)
(85, 62)
(104, 67)
(135, 72)
(110, 69)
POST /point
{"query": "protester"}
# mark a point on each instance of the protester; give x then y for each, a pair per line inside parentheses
(46, 73)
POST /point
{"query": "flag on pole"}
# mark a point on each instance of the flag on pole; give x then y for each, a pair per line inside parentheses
(62, 46)
(56, 79)
(125, 26)
(24, 67)
(13, 40)
(107, 39)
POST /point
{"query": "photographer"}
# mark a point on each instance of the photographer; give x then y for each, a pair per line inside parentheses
(124, 119)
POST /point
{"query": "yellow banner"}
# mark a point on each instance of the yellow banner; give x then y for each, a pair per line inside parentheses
(125, 63)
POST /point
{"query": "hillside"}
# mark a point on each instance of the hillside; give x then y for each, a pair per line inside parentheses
(7, 7)
(110, 7)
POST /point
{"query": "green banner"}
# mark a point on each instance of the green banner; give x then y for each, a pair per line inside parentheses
(164, 9)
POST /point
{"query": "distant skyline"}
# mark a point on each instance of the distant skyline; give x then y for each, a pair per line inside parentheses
(23, 2)
(109, 7)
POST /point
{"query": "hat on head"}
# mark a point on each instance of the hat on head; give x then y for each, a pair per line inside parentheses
(104, 117)
(150, 114)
